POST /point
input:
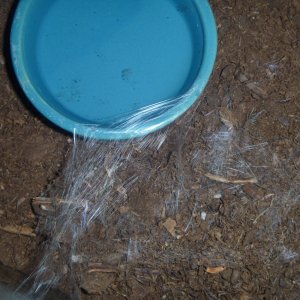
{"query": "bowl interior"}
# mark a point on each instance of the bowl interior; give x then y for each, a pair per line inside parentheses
(95, 62)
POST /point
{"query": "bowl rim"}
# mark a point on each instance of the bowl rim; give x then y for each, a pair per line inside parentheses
(210, 37)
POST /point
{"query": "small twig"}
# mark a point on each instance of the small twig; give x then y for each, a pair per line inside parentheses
(191, 218)
(239, 239)
(20, 230)
(99, 268)
(263, 212)
(102, 270)
(226, 180)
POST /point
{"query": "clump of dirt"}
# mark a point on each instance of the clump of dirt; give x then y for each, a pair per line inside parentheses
(215, 211)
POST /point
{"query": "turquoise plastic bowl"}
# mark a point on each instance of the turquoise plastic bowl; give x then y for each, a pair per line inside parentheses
(89, 65)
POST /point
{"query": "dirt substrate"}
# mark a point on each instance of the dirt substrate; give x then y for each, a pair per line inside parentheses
(214, 212)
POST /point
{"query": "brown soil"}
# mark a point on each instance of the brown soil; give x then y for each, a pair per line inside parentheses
(191, 227)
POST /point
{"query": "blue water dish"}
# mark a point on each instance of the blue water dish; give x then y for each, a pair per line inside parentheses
(113, 69)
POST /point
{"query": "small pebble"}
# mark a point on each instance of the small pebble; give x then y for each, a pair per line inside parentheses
(235, 276)
(2, 61)
(227, 274)
(77, 258)
(217, 196)
(242, 77)
(203, 215)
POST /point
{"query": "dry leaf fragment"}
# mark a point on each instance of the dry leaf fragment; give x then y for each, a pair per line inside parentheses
(215, 270)
(170, 225)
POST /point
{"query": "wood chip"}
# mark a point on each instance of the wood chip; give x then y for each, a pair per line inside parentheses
(254, 192)
(245, 297)
(170, 225)
(257, 90)
(215, 270)
(96, 283)
(20, 201)
(16, 229)
(228, 118)
(124, 209)
(226, 180)
(43, 206)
